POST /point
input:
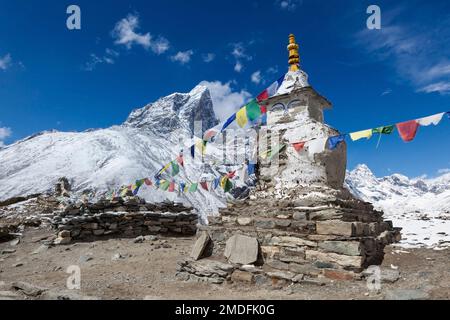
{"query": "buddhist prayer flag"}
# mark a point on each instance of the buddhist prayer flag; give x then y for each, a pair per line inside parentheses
(216, 183)
(241, 117)
(175, 168)
(210, 134)
(182, 187)
(333, 142)
(139, 183)
(408, 130)
(251, 168)
(361, 134)
(148, 182)
(204, 185)
(180, 160)
(193, 187)
(228, 122)
(299, 146)
(201, 146)
(231, 174)
(253, 110)
(434, 119)
(172, 187)
(164, 185)
(384, 130)
(164, 169)
(226, 184)
(193, 151)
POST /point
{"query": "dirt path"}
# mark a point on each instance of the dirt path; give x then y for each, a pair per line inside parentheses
(121, 269)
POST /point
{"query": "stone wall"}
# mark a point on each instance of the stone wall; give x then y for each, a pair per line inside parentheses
(126, 218)
(332, 236)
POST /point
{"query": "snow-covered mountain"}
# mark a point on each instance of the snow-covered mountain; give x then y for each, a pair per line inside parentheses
(421, 206)
(106, 158)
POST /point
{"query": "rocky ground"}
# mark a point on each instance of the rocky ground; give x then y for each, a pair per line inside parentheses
(130, 269)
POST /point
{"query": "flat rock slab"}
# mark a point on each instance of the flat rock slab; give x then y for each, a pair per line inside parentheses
(200, 246)
(406, 294)
(242, 249)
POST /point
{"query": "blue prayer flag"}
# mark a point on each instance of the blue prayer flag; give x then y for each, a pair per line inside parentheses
(229, 121)
(333, 142)
(251, 168)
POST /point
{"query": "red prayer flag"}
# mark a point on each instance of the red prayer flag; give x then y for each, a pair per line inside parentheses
(148, 182)
(299, 146)
(172, 187)
(204, 185)
(263, 109)
(263, 96)
(180, 160)
(231, 175)
(408, 130)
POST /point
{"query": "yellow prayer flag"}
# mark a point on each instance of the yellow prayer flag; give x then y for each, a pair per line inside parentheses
(201, 147)
(241, 117)
(361, 134)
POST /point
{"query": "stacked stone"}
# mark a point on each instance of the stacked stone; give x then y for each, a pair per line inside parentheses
(335, 236)
(119, 217)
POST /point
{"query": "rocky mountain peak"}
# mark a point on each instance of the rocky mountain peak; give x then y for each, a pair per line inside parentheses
(176, 111)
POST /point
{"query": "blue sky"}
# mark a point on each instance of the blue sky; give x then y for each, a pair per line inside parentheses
(129, 53)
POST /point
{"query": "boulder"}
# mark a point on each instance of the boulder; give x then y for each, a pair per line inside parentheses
(242, 249)
(200, 246)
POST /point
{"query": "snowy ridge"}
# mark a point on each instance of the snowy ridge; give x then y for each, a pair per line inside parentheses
(420, 206)
(100, 160)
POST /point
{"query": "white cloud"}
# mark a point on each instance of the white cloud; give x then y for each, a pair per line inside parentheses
(273, 70)
(225, 100)
(386, 92)
(440, 87)
(238, 66)
(109, 57)
(239, 53)
(289, 5)
(256, 77)
(4, 133)
(5, 62)
(183, 57)
(209, 57)
(125, 33)
(444, 171)
(418, 54)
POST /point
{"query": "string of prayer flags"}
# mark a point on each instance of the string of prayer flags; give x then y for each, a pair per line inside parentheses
(271, 90)
(431, 120)
(333, 142)
(408, 130)
(241, 117)
(355, 136)
(253, 110)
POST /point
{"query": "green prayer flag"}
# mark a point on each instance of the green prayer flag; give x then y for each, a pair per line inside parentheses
(228, 185)
(193, 187)
(253, 110)
(383, 130)
(164, 185)
(277, 150)
(139, 183)
(175, 169)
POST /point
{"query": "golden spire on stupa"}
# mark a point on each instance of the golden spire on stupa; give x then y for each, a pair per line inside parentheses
(294, 57)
